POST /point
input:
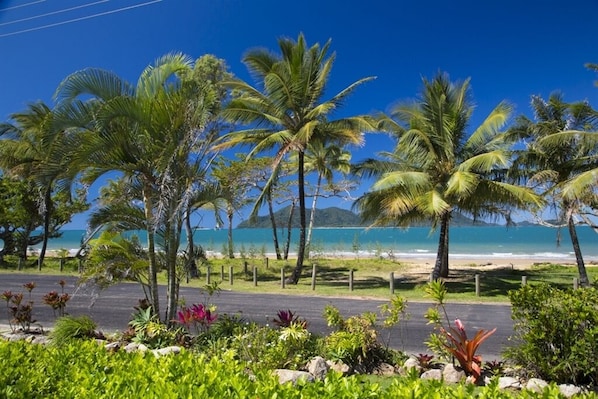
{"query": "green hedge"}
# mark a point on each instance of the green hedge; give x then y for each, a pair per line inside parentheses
(556, 333)
(86, 370)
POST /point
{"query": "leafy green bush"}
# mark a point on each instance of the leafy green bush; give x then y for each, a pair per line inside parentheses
(86, 370)
(68, 328)
(263, 347)
(355, 342)
(146, 328)
(556, 333)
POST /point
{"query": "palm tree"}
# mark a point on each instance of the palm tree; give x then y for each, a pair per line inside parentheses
(38, 150)
(152, 132)
(582, 186)
(285, 111)
(324, 159)
(557, 160)
(236, 178)
(436, 169)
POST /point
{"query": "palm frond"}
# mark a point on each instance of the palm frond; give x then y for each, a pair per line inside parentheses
(485, 163)
(490, 126)
(94, 82)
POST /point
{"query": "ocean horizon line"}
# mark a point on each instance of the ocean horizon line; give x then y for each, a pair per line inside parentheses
(493, 242)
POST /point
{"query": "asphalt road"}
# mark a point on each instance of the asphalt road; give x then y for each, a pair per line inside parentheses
(113, 307)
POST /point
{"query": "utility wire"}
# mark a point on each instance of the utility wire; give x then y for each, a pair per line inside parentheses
(147, 3)
(53, 13)
(21, 5)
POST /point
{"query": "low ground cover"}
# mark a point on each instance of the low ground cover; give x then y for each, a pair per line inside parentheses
(87, 370)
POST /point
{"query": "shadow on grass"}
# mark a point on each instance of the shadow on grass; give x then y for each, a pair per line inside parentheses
(493, 282)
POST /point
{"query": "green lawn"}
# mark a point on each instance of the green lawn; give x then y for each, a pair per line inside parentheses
(371, 277)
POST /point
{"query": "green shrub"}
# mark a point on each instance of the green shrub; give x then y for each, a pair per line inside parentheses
(86, 370)
(355, 342)
(146, 328)
(556, 333)
(262, 347)
(68, 328)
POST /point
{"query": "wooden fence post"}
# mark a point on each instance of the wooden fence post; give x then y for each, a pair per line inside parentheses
(254, 276)
(282, 278)
(208, 275)
(351, 280)
(230, 275)
(391, 280)
(523, 281)
(477, 285)
(313, 277)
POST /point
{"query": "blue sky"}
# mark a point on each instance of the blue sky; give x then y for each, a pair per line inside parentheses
(509, 49)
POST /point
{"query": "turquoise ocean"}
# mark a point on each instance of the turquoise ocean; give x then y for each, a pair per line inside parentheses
(492, 242)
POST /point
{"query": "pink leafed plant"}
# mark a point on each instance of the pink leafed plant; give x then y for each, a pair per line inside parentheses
(464, 349)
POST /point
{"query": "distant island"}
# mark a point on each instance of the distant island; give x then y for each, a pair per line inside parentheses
(335, 217)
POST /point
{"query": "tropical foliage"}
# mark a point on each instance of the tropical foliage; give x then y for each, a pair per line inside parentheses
(559, 151)
(557, 332)
(436, 169)
(287, 111)
(36, 149)
(157, 134)
(88, 370)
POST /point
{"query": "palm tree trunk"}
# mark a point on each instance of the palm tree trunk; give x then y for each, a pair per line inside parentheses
(287, 245)
(273, 222)
(172, 244)
(584, 281)
(151, 248)
(301, 187)
(191, 265)
(47, 214)
(441, 265)
(230, 215)
(312, 215)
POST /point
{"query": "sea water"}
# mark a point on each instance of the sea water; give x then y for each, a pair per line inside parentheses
(529, 242)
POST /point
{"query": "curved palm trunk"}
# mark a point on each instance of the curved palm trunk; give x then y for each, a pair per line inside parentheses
(301, 187)
(273, 222)
(151, 248)
(441, 267)
(47, 214)
(581, 268)
(287, 245)
(230, 215)
(312, 215)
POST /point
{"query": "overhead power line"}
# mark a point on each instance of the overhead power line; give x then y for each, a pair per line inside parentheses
(147, 3)
(53, 13)
(21, 5)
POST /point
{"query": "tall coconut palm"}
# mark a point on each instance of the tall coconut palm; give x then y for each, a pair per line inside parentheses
(583, 186)
(437, 168)
(560, 144)
(286, 108)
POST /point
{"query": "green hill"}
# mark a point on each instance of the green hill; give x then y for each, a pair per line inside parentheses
(336, 217)
(327, 217)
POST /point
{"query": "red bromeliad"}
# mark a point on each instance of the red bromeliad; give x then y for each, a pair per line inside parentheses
(464, 349)
(198, 315)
